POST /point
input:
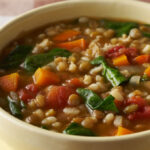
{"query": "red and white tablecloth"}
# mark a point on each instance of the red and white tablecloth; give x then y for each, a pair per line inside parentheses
(11, 8)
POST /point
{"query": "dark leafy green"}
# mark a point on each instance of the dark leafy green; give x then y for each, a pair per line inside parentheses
(33, 62)
(76, 129)
(147, 25)
(119, 27)
(14, 107)
(91, 98)
(16, 57)
(146, 34)
(144, 78)
(95, 102)
(108, 104)
(22, 104)
(111, 74)
(44, 127)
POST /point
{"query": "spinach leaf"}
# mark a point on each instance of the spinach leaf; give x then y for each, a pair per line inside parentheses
(146, 34)
(91, 98)
(147, 25)
(22, 104)
(114, 76)
(94, 102)
(111, 74)
(14, 107)
(33, 62)
(76, 129)
(44, 127)
(119, 27)
(16, 57)
(108, 104)
(144, 78)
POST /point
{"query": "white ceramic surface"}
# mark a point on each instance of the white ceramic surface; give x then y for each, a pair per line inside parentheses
(22, 136)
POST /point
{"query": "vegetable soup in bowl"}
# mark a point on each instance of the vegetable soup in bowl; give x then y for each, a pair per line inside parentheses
(86, 75)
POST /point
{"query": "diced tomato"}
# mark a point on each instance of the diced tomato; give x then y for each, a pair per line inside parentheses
(119, 50)
(140, 115)
(119, 104)
(32, 87)
(137, 100)
(25, 95)
(28, 93)
(57, 96)
(76, 82)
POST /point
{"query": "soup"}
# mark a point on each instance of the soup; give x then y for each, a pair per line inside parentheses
(86, 76)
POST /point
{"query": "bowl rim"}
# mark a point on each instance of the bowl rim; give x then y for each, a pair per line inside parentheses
(5, 115)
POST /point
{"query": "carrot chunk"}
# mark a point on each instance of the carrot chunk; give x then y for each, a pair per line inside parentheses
(81, 43)
(43, 77)
(76, 82)
(9, 82)
(65, 35)
(142, 59)
(123, 131)
(121, 60)
(147, 71)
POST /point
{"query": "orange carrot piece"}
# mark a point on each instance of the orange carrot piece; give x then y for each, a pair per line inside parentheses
(123, 131)
(142, 59)
(81, 43)
(121, 60)
(9, 82)
(43, 77)
(65, 35)
(76, 82)
(147, 71)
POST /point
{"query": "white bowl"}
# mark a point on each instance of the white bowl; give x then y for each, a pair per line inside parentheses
(22, 136)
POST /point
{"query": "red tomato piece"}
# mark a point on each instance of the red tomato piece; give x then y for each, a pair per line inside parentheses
(144, 114)
(57, 96)
(119, 50)
(137, 100)
(28, 93)
(76, 82)
(115, 51)
(32, 87)
(119, 104)
(25, 95)
(131, 52)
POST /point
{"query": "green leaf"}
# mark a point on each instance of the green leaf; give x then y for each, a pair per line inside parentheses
(91, 98)
(14, 107)
(114, 76)
(147, 25)
(99, 60)
(108, 104)
(144, 78)
(95, 102)
(33, 62)
(111, 74)
(16, 57)
(22, 104)
(146, 34)
(119, 27)
(76, 129)
(44, 127)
